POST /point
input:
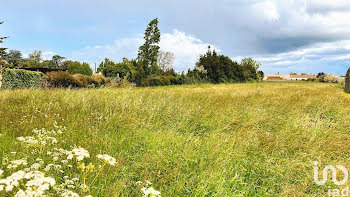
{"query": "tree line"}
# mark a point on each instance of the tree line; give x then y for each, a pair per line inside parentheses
(151, 67)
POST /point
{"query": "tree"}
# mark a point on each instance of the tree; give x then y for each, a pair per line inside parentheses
(148, 52)
(250, 68)
(77, 68)
(57, 61)
(3, 53)
(165, 60)
(107, 62)
(293, 73)
(261, 74)
(47, 64)
(303, 74)
(219, 68)
(14, 58)
(34, 59)
(122, 70)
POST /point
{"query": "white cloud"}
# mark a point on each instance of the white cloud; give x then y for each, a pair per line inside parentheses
(312, 59)
(186, 48)
(268, 10)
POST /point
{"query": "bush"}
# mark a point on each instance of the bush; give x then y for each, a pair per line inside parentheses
(18, 78)
(64, 80)
(61, 79)
(159, 81)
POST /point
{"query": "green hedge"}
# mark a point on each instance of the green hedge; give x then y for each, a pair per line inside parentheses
(18, 78)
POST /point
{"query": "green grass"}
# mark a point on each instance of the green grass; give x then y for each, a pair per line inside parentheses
(255, 139)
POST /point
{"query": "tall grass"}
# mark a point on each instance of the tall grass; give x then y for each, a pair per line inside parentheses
(257, 139)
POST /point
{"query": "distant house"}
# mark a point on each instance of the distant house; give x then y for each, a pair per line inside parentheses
(279, 77)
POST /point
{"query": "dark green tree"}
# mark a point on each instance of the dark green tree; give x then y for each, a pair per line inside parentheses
(122, 69)
(107, 62)
(57, 61)
(219, 68)
(14, 58)
(148, 52)
(77, 68)
(3, 53)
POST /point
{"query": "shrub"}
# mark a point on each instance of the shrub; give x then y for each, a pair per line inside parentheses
(18, 78)
(160, 81)
(65, 80)
(61, 79)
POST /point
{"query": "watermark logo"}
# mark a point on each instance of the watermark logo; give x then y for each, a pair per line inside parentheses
(332, 192)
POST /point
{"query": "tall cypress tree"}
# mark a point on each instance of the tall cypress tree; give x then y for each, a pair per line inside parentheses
(2, 50)
(148, 52)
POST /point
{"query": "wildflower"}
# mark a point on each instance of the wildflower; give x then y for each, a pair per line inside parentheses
(16, 163)
(68, 193)
(35, 166)
(80, 153)
(108, 159)
(151, 192)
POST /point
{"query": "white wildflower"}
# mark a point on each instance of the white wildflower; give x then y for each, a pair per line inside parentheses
(150, 192)
(68, 193)
(80, 153)
(108, 159)
(16, 163)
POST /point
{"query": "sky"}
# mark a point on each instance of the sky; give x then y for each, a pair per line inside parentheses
(286, 36)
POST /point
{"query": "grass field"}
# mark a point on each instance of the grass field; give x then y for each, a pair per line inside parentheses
(255, 139)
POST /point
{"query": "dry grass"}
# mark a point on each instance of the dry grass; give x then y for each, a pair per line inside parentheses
(257, 139)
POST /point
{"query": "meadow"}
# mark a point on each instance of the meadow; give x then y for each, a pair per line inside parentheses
(253, 139)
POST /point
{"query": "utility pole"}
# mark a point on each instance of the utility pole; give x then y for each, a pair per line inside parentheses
(95, 67)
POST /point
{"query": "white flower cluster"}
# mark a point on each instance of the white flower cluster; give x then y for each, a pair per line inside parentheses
(147, 190)
(79, 153)
(43, 136)
(16, 163)
(36, 184)
(108, 159)
(30, 177)
(150, 192)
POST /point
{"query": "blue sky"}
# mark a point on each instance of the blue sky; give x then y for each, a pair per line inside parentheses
(286, 36)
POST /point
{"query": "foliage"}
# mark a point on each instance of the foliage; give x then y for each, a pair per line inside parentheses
(148, 52)
(159, 80)
(14, 58)
(107, 62)
(250, 69)
(293, 73)
(220, 68)
(34, 59)
(18, 79)
(122, 69)
(60, 79)
(195, 140)
(57, 61)
(2, 50)
(78, 68)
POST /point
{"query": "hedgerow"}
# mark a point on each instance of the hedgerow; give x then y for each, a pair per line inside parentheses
(19, 79)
